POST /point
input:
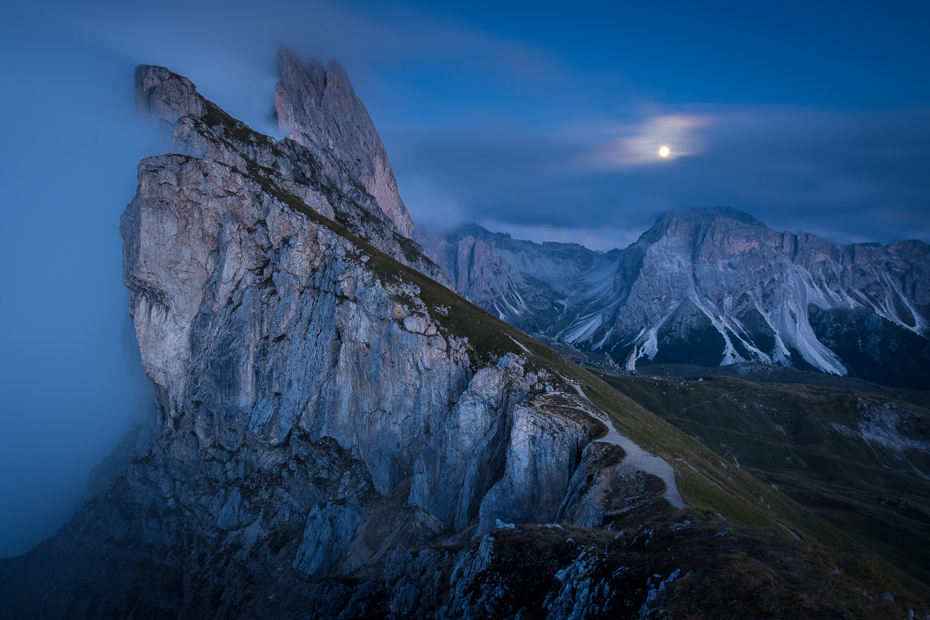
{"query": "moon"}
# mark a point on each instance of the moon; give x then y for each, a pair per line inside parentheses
(664, 151)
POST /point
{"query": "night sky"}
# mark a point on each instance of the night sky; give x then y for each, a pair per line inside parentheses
(540, 119)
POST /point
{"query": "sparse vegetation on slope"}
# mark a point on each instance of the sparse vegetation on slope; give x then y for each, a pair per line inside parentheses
(858, 460)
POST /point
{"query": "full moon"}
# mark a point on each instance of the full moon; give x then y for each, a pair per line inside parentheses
(664, 151)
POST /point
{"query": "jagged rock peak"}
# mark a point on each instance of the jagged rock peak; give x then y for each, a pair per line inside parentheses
(166, 95)
(708, 214)
(332, 182)
(709, 286)
(319, 109)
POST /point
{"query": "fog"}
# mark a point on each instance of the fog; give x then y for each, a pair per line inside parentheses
(540, 123)
(67, 169)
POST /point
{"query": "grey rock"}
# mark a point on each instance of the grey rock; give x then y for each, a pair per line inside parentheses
(260, 322)
(330, 182)
(542, 452)
(596, 486)
(166, 96)
(470, 450)
(709, 287)
(329, 530)
(519, 281)
(319, 407)
(321, 111)
(580, 595)
(628, 363)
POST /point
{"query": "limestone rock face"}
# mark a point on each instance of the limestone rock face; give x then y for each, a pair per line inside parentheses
(321, 111)
(322, 401)
(324, 179)
(519, 281)
(541, 456)
(266, 322)
(710, 287)
(166, 96)
(257, 318)
(628, 363)
(472, 436)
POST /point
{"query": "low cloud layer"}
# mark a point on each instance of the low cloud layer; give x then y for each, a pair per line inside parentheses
(67, 167)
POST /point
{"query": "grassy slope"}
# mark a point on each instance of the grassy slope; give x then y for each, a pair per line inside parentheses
(866, 492)
(762, 373)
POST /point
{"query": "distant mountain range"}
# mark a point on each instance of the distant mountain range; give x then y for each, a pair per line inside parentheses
(710, 286)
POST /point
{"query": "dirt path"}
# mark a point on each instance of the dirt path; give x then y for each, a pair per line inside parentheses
(707, 402)
(636, 457)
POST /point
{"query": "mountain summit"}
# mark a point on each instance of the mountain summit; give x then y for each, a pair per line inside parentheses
(320, 110)
(712, 286)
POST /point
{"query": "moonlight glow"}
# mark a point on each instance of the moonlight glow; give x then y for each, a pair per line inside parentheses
(664, 151)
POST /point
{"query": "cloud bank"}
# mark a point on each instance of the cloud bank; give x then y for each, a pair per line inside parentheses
(655, 140)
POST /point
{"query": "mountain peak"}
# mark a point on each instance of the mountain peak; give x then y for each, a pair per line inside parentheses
(707, 214)
(319, 109)
(165, 95)
(336, 432)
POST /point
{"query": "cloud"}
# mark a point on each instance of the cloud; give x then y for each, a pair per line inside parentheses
(851, 176)
(70, 147)
(676, 132)
(392, 52)
(847, 176)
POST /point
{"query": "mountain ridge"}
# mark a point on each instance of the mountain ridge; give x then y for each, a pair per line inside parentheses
(710, 286)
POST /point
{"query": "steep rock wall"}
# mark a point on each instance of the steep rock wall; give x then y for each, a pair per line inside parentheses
(322, 402)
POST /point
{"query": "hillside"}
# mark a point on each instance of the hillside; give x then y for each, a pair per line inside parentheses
(857, 459)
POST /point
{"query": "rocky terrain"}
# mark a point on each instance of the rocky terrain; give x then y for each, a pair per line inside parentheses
(339, 434)
(710, 286)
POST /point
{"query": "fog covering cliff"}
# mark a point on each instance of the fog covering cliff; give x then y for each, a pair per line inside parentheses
(711, 286)
(339, 434)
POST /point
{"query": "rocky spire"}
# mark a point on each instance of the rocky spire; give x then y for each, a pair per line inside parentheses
(629, 362)
(319, 109)
(165, 95)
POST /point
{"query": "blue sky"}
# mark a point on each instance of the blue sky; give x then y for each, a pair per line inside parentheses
(536, 118)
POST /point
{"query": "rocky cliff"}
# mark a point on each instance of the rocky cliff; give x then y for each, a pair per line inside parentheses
(322, 113)
(339, 434)
(711, 286)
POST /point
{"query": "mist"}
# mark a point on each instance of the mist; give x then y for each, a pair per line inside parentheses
(67, 169)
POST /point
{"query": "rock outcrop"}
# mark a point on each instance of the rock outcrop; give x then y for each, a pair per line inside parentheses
(257, 317)
(710, 287)
(331, 177)
(322, 113)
